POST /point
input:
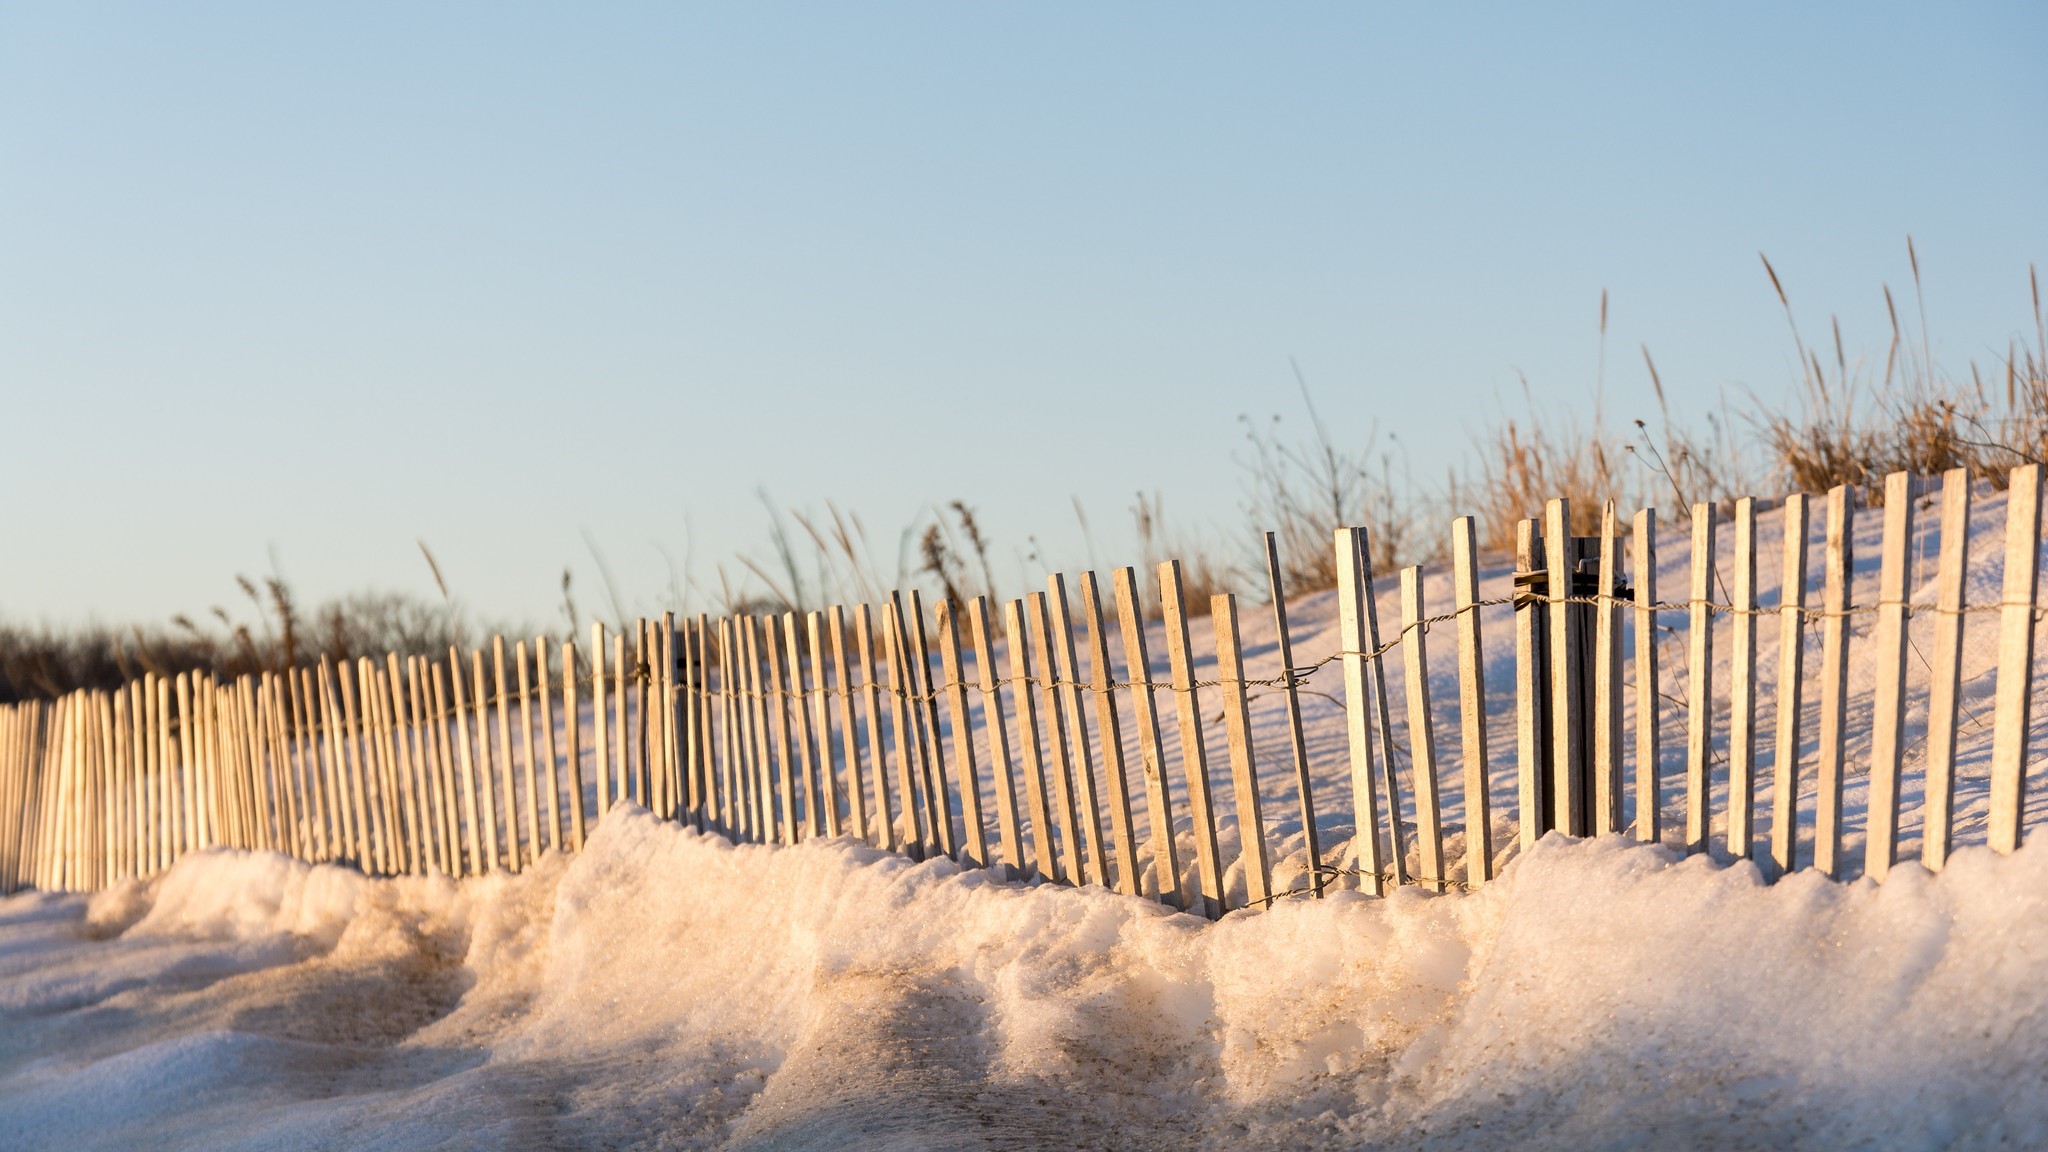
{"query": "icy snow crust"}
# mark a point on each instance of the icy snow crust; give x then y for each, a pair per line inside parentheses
(666, 989)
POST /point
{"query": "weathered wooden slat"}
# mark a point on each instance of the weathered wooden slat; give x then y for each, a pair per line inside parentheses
(1836, 598)
(903, 725)
(387, 765)
(621, 756)
(1365, 808)
(1472, 701)
(782, 693)
(1382, 714)
(1567, 736)
(849, 733)
(1060, 770)
(1164, 846)
(531, 810)
(600, 722)
(827, 779)
(1531, 640)
(973, 850)
(1304, 792)
(663, 735)
(358, 767)
(2015, 657)
(1607, 698)
(732, 777)
(405, 691)
(931, 749)
(391, 685)
(1888, 704)
(1944, 687)
(1116, 779)
(1699, 683)
(1421, 732)
(1244, 772)
(189, 776)
(781, 749)
(1785, 783)
(1045, 854)
(269, 833)
(507, 781)
(572, 724)
(1194, 759)
(806, 731)
(1081, 759)
(1742, 687)
(480, 708)
(161, 823)
(433, 749)
(710, 793)
(761, 780)
(995, 730)
(871, 719)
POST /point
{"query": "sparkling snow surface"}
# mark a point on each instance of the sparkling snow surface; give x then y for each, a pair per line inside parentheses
(667, 990)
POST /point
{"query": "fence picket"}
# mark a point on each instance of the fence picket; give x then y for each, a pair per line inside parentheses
(2015, 657)
(783, 685)
(1296, 737)
(1472, 701)
(506, 780)
(1081, 759)
(1531, 641)
(803, 729)
(1699, 682)
(995, 730)
(761, 775)
(1888, 713)
(1116, 776)
(1060, 770)
(1244, 772)
(1836, 597)
(436, 704)
(871, 719)
(1567, 736)
(1193, 758)
(1044, 854)
(1383, 717)
(974, 843)
(1351, 640)
(903, 723)
(625, 783)
(931, 750)
(821, 723)
(849, 735)
(1791, 671)
(1607, 697)
(1945, 670)
(730, 775)
(1742, 688)
(1421, 732)
(487, 792)
(1151, 749)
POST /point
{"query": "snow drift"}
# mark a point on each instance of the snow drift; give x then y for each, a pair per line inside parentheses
(666, 989)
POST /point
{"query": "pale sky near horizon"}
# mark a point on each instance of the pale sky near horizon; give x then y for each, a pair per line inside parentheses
(315, 282)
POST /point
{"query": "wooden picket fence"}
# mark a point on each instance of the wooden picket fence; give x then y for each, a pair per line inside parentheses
(776, 728)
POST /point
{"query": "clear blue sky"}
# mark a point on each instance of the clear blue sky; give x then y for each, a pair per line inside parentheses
(321, 280)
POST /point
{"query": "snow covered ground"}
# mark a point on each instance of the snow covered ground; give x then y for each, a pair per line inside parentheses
(667, 989)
